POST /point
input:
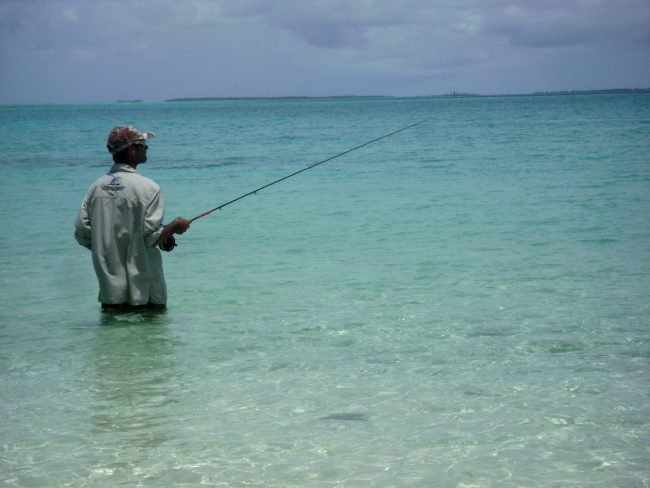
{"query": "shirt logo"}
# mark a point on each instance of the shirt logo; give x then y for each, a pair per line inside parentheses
(114, 186)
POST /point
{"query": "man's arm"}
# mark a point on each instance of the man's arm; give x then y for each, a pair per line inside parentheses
(82, 231)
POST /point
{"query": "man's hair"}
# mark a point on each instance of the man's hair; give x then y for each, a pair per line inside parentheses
(122, 157)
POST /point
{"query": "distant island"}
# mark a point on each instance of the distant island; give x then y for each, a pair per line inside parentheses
(594, 92)
(130, 101)
(333, 97)
(459, 94)
(375, 97)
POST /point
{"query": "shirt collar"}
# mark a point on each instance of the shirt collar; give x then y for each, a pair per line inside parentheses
(122, 167)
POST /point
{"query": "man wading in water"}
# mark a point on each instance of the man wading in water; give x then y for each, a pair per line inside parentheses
(121, 222)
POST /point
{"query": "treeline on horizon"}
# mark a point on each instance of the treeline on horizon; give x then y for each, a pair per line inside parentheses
(453, 94)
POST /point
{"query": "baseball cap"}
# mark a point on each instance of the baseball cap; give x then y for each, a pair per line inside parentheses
(122, 136)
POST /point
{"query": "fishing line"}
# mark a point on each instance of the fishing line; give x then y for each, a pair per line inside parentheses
(170, 243)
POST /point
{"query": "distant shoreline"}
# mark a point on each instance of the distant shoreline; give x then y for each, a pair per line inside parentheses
(334, 97)
(376, 97)
(325, 98)
(593, 92)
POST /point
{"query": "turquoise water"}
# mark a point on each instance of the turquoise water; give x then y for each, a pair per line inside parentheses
(463, 304)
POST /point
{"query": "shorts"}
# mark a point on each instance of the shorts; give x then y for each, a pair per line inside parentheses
(125, 307)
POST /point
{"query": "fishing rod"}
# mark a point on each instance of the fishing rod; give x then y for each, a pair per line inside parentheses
(171, 243)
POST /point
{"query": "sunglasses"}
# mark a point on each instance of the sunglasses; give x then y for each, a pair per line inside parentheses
(140, 143)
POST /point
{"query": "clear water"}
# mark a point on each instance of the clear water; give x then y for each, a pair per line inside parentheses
(464, 304)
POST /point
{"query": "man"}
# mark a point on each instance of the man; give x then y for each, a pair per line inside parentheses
(121, 222)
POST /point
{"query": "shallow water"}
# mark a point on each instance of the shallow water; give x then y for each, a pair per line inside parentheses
(462, 304)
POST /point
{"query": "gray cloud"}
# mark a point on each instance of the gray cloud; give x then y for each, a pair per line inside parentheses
(572, 23)
(78, 50)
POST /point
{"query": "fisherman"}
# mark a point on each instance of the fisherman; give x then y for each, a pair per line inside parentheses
(121, 222)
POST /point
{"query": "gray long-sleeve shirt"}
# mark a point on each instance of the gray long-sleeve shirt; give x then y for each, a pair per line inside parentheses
(120, 220)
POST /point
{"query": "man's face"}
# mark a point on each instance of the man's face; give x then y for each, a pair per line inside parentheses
(138, 152)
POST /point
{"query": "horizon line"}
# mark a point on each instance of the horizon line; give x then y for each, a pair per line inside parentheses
(341, 97)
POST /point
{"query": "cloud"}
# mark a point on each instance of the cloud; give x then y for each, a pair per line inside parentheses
(107, 49)
(572, 23)
(336, 24)
(331, 35)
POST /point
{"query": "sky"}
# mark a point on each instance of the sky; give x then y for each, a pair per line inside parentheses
(95, 51)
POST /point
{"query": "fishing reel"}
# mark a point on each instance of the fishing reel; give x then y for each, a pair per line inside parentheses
(168, 245)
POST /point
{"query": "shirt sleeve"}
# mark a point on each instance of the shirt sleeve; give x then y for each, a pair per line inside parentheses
(153, 219)
(82, 225)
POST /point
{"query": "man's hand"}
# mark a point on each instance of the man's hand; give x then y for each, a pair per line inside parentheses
(180, 225)
(177, 226)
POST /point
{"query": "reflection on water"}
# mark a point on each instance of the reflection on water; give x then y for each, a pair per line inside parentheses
(134, 370)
